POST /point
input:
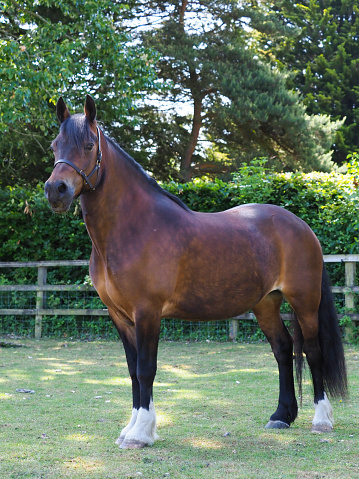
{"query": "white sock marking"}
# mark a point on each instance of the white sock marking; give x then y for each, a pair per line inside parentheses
(323, 415)
(129, 426)
(144, 429)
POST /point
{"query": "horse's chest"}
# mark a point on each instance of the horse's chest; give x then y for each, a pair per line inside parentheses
(111, 286)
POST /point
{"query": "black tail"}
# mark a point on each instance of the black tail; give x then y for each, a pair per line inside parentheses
(333, 360)
(330, 340)
(298, 353)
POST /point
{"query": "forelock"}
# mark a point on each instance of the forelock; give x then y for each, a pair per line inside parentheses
(76, 129)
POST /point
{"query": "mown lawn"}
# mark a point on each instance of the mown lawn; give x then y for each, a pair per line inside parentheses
(212, 400)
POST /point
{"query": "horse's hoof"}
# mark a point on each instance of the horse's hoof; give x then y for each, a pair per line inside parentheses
(132, 444)
(277, 425)
(321, 428)
(120, 440)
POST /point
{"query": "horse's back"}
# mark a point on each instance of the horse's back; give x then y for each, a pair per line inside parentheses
(263, 226)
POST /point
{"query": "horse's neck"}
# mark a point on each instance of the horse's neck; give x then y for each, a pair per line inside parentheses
(122, 186)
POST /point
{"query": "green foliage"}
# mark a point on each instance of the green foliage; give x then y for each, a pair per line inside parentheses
(239, 102)
(29, 231)
(324, 60)
(47, 49)
(328, 202)
(157, 142)
(202, 195)
(216, 56)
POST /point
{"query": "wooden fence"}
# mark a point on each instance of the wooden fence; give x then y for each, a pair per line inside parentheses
(349, 290)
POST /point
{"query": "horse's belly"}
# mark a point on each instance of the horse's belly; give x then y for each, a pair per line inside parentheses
(211, 303)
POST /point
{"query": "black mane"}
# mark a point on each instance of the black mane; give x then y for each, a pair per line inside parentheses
(77, 130)
(151, 181)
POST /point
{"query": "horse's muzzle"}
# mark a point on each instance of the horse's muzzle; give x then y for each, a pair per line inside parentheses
(59, 195)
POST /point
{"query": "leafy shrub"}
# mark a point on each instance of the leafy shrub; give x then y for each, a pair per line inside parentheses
(328, 202)
(29, 231)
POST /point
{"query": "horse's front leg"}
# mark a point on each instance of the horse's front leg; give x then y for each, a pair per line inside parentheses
(143, 431)
(127, 333)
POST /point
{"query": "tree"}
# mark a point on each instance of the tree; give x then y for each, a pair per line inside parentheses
(209, 54)
(325, 61)
(70, 48)
(157, 142)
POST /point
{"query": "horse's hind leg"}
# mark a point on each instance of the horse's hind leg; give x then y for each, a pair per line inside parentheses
(306, 307)
(323, 420)
(267, 312)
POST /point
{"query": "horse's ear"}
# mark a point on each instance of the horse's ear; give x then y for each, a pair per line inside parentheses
(62, 110)
(90, 109)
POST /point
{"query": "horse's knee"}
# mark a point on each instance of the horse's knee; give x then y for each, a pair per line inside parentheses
(283, 349)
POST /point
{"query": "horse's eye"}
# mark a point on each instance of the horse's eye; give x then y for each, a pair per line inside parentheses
(51, 148)
(89, 147)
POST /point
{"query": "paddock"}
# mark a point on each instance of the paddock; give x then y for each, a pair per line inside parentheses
(211, 398)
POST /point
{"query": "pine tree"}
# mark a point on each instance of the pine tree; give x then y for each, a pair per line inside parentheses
(325, 61)
(210, 57)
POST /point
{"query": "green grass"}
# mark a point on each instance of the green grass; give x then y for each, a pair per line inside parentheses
(212, 400)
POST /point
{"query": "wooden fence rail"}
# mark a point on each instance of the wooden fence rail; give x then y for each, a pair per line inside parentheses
(349, 290)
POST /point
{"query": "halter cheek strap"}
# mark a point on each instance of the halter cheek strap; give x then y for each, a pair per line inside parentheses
(96, 168)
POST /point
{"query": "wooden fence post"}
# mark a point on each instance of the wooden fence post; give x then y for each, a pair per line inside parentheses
(41, 281)
(350, 272)
(233, 330)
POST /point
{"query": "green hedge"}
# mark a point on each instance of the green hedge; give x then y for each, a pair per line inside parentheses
(327, 202)
(29, 231)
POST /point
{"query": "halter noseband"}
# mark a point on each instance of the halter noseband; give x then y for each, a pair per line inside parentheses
(85, 177)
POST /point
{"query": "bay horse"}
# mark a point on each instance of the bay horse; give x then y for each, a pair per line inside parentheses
(152, 257)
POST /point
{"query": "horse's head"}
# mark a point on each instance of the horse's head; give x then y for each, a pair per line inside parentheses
(77, 150)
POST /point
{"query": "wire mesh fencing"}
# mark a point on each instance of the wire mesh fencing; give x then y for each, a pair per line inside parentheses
(74, 311)
(91, 327)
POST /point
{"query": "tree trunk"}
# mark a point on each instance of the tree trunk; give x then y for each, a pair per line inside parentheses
(183, 10)
(196, 126)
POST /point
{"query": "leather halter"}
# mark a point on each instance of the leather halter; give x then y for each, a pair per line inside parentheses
(96, 168)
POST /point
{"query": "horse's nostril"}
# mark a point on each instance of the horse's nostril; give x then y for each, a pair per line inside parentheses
(61, 187)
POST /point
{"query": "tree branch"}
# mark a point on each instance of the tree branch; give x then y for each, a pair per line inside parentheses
(42, 19)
